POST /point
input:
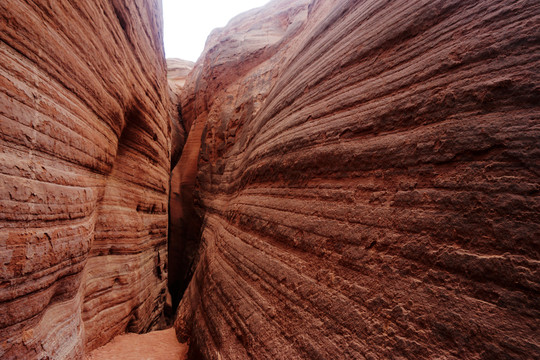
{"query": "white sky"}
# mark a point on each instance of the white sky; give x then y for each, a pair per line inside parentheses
(187, 23)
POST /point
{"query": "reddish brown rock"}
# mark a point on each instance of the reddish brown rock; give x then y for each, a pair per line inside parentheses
(177, 71)
(182, 218)
(184, 222)
(84, 174)
(368, 180)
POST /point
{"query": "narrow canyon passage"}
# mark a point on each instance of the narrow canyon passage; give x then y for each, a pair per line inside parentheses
(332, 179)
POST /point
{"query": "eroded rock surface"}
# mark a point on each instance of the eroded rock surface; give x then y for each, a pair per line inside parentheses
(368, 180)
(177, 71)
(84, 174)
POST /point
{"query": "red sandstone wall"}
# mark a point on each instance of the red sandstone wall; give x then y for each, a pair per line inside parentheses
(84, 171)
(369, 175)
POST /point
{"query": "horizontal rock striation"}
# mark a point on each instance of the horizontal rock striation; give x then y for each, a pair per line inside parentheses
(84, 174)
(369, 182)
(177, 72)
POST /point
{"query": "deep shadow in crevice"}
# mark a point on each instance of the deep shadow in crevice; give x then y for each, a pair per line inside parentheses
(183, 244)
(184, 217)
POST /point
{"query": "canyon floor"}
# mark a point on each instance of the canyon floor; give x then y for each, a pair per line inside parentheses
(155, 345)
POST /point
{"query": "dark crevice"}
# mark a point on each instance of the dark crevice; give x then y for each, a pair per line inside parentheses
(184, 230)
(183, 245)
(121, 18)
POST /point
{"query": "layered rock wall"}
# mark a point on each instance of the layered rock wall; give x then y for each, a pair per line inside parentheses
(177, 71)
(84, 174)
(368, 182)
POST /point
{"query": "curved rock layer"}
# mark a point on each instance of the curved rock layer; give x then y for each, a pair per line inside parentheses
(182, 218)
(177, 72)
(369, 177)
(85, 158)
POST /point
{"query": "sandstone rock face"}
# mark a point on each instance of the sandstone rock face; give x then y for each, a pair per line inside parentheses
(368, 182)
(177, 71)
(84, 174)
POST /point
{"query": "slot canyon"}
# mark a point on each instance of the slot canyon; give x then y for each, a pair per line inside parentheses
(331, 179)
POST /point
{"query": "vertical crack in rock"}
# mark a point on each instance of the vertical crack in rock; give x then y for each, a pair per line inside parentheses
(184, 222)
(368, 182)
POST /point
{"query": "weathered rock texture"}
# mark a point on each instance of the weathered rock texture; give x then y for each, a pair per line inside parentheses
(84, 174)
(177, 71)
(369, 180)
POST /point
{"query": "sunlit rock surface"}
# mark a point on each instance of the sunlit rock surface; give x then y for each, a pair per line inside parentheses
(368, 182)
(84, 174)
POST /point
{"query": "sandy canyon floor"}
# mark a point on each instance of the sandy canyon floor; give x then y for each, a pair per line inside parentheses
(155, 345)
